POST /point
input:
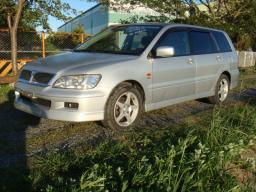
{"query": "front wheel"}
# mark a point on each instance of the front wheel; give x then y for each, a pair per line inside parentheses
(221, 91)
(124, 107)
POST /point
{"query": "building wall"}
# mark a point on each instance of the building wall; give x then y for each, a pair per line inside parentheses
(92, 21)
(100, 17)
(117, 15)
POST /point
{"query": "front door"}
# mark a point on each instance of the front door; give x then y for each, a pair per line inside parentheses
(174, 77)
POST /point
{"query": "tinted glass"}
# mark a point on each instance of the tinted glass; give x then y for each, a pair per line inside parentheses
(202, 43)
(121, 40)
(178, 40)
(222, 41)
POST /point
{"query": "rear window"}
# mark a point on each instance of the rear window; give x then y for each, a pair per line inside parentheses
(202, 43)
(222, 41)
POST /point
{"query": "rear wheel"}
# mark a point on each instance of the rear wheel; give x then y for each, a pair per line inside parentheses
(221, 91)
(124, 107)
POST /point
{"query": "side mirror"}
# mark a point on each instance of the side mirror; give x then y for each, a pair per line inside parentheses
(165, 51)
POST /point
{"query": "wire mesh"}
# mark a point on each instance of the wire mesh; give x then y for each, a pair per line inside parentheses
(5, 45)
(33, 45)
(61, 42)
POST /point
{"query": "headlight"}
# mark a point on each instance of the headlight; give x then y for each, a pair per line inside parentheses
(80, 82)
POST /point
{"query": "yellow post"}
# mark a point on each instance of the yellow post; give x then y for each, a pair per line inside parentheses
(43, 45)
(82, 38)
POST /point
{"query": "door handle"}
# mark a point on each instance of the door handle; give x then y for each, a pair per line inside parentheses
(190, 61)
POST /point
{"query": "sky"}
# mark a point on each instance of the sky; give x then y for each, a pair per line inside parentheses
(79, 5)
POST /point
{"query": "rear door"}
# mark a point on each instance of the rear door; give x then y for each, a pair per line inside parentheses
(174, 77)
(207, 58)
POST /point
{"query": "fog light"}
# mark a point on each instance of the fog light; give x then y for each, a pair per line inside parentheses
(71, 105)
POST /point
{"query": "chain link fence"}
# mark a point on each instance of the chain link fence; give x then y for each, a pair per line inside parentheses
(62, 42)
(28, 45)
(33, 44)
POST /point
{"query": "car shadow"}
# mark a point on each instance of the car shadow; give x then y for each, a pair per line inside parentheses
(13, 158)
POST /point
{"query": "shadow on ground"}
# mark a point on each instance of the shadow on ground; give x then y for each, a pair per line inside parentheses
(13, 158)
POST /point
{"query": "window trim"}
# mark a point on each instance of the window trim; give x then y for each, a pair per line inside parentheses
(189, 31)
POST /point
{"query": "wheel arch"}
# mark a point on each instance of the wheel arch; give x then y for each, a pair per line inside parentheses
(227, 74)
(133, 83)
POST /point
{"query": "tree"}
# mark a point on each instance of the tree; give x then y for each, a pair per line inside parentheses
(31, 13)
(237, 17)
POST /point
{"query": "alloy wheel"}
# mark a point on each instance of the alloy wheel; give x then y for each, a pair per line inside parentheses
(126, 109)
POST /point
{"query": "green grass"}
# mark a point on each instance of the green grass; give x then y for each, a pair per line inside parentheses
(247, 72)
(5, 95)
(4, 90)
(188, 157)
(205, 152)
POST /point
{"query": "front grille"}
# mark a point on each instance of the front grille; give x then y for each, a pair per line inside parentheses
(25, 75)
(42, 78)
(39, 101)
(36, 77)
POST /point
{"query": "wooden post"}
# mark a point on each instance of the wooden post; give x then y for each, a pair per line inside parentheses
(43, 45)
(82, 38)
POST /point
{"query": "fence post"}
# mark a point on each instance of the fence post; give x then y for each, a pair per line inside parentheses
(82, 38)
(245, 58)
(43, 44)
(252, 58)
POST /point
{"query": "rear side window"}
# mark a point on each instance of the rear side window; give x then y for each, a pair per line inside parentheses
(178, 40)
(202, 43)
(222, 41)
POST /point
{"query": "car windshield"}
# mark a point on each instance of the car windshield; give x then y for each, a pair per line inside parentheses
(132, 40)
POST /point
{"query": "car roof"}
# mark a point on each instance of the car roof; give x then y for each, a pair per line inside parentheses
(171, 25)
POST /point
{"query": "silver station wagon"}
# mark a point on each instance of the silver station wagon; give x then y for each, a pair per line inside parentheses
(128, 69)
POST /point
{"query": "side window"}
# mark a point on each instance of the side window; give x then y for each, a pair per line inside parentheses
(202, 43)
(178, 40)
(222, 41)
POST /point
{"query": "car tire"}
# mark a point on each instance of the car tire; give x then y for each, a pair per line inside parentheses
(222, 89)
(124, 107)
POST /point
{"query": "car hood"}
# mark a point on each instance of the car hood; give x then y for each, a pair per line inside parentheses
(72, 60)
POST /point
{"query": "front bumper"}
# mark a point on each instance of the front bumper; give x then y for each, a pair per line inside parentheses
(90, 106)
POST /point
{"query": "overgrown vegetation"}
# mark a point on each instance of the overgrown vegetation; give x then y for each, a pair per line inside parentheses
(64, 41)
(191, 157)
